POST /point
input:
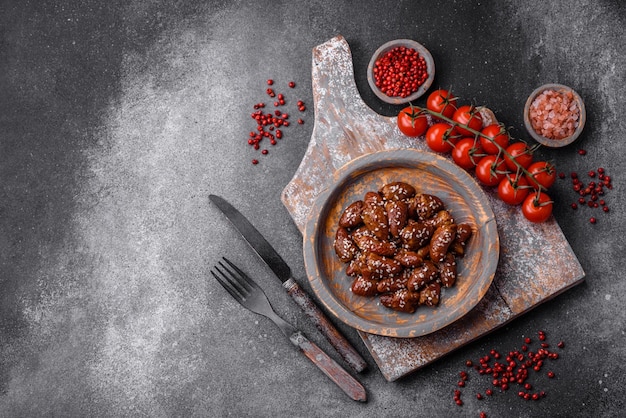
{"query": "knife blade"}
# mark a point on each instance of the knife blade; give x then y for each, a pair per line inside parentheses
(280, 268)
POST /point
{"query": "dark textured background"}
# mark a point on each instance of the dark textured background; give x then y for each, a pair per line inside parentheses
(117, 119)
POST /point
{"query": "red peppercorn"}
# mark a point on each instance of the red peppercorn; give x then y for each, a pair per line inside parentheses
(300, 121)
(400, 72)
(270, 82)
(582, 152)
(550, 374)
(255, 162)
(292, 84)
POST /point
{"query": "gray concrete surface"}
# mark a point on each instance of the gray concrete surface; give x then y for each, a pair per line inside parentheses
(117, 119)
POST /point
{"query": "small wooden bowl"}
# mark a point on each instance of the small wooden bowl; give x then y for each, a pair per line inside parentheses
(430, 65)
(548, 142)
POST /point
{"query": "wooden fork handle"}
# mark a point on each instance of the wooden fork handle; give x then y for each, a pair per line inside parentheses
(332, 334)
(334, 371)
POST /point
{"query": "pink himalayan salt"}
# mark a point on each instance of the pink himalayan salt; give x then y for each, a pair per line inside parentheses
(554, 114)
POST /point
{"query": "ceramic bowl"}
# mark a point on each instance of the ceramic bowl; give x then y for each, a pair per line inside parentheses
(554, 143)
(430, 64)
(434, 174)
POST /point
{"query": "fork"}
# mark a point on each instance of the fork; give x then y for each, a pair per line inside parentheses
(248, 293)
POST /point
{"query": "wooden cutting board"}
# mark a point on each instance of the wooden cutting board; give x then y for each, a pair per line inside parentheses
(536, 261)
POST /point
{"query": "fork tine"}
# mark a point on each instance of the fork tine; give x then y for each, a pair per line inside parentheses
(235, 281)
(227, 284)
(242, 276)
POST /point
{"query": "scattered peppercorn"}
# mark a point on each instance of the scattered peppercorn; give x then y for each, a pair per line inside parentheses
(268, 124)
(593, 190)
(513, 370)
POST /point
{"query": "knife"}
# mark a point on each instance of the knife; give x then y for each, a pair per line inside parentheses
(283, 272)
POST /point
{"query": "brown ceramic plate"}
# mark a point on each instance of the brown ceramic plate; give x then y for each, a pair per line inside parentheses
(429, 173)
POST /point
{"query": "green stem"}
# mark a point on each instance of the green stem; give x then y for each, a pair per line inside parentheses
(476, 133)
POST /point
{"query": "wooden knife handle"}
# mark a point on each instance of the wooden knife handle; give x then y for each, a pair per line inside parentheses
(341, 344)
(334, 371)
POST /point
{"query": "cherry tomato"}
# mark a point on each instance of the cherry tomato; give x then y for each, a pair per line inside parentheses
(542, 173)
(490, 170)
(412, 122)
(537, 207)
(441, 137)
(469, 116)
(441, 101)
(498, 134)
(467, 152)
(520, 153)
(513, 189)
